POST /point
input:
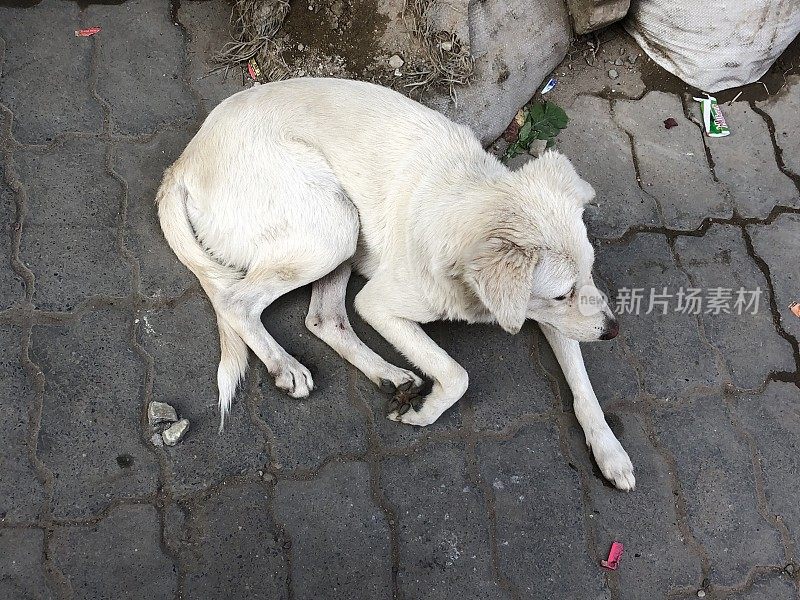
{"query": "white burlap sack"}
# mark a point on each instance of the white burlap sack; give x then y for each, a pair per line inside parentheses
(714, 45)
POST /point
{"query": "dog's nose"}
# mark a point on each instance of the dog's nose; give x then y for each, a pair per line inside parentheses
(612, 329)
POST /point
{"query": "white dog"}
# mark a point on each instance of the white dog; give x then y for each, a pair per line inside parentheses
(301, 181)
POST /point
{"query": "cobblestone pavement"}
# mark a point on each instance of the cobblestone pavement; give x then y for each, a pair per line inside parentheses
(325, 498)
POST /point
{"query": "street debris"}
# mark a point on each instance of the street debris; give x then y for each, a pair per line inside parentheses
(670, 123)
(713, 121)
(613, 73)
(795, 308)
(537, 148)
(161, 412)
(88, 32)
(551, 83)
(176, 432)
(701, 593)
(614, 554)
(395, 62)
(253, 70)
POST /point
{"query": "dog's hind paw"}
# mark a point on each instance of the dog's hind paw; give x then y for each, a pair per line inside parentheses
(399, 380)
(612, 459)
(294, 379)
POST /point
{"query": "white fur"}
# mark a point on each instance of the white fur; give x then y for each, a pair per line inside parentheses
(299, 181)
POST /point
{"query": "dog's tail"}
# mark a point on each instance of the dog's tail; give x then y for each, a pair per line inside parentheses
(213, 276)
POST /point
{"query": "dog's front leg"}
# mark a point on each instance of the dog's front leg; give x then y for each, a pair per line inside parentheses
(608, 452)
(450, 380)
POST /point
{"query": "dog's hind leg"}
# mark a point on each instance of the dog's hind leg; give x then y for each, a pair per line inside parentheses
(327, 319)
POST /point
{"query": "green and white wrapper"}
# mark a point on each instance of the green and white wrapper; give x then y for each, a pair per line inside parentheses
(713, 120)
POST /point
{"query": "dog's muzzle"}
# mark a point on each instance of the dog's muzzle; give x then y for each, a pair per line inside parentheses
(611, 329)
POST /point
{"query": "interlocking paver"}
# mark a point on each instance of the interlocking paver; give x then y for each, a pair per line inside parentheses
(141, 49)
(442, 526)
(21, 493)
(773, 421)
(716, 475)
(657, 556)
(777, 245)
(22, 574)
(118, 557)
(601, 153)
(11, 284)
(142, 166)
(340, 538)
(746, 165)
(184, 346)
(783, 109)
(239, 554)
(46, 78)
(748, 343)
(90, 436)
(672, 356)
(672, 162)
(540, 534)
(774, 587)
(69, 239)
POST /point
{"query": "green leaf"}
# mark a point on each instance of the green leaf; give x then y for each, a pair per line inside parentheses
(556, 115)
(525, 132)
(550, 143)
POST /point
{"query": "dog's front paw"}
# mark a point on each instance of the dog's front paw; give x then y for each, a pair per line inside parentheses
(294, 379)
(400, 380)
(612, 459)
(410, 408)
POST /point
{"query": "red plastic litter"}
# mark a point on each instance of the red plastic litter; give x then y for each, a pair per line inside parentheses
(670, 123)
(613, 556)
(89, 31)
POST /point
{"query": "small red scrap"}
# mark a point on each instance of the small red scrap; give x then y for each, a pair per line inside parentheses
(670, 123)
(88, 32)
(613, 556)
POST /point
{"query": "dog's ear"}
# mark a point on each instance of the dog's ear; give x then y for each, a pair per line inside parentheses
(556, 168)
(501, 274)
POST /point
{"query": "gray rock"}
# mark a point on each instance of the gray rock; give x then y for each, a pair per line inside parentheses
(395, 62)
(537, 147)
(619, 62)
(157, 440)
(613, 73)
(161, 412)
(176, 432)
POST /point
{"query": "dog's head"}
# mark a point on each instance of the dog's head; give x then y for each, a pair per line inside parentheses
(535, 261)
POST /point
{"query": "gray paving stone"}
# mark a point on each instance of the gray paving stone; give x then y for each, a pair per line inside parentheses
(208, 25)
(672, 162)
(672, 357)
(22, 574)
(657, 558)
(505, 382)
(777, 244)
(331, 411)
(11, 284)
(716, 473)
(21, 493)
(90, 436)
(601, 153)
(147, 57)
(540, 534)
(46, 79)
(142, 166)
(69, 184)
(69, 239)
(340, 538)
(184, 344)
(749, 344)
(442, 526)
(774, 587)
(118, 557)
(239, 552)
(774, 424)
(783, 109)
(745, 163)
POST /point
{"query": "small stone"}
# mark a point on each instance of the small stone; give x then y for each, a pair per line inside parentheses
(395, 61)
(397, 72)
(268, 477)
(446, 46)
(789, 568)
(157, 440)
(161, 412)
(176, 432)
(619, 62)
(613, 73)
(632, 58)
(537, 148)
(701, 594)
(301, 47)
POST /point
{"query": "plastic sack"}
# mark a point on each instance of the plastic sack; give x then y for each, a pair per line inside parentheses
(714, 45)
